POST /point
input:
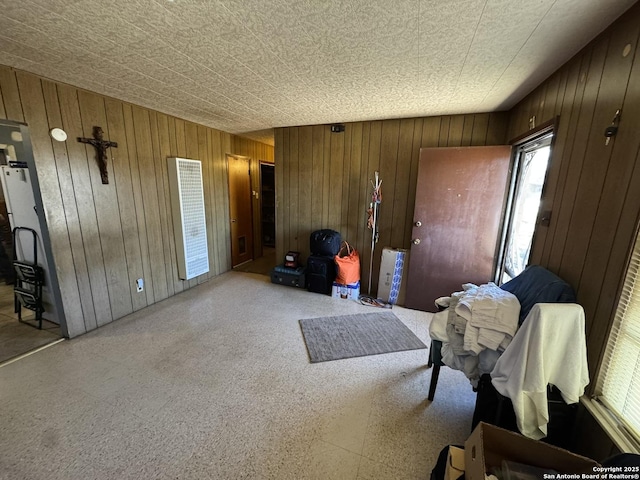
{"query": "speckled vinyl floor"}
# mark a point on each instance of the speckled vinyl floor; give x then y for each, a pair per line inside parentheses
(216, 383)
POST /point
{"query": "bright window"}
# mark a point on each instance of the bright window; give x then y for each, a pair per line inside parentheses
(618, 386)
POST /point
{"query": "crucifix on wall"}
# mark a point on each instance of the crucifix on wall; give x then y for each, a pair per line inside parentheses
(101, 146)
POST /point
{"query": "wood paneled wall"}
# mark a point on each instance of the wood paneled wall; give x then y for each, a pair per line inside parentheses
(104, 237)
(257, 152)
(593, 189)
(323, 179)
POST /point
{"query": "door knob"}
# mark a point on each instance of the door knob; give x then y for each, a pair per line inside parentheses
(418, 223)
(233, 220)
(416, 241)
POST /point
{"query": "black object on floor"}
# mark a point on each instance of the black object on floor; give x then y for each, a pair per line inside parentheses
(321, 272)
(292, 277)
(494, 408)
(29, 279)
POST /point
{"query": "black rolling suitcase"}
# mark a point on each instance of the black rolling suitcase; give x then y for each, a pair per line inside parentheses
(321, 272)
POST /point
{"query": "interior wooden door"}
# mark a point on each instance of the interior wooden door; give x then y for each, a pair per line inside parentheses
(240, 210)
(460, 200)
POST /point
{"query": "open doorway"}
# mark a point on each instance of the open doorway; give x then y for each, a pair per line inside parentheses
(531, 163)
(268, 204)
(267, 217)
(263, 182)
(30, 308)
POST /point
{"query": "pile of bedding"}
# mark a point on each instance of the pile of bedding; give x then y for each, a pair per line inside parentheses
(475, 329)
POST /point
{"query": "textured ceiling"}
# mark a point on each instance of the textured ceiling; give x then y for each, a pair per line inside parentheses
(243, 66)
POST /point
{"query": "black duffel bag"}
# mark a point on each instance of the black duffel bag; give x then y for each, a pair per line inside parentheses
(325, 242)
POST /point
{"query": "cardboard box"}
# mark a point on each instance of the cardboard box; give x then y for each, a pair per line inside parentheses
(455, 463)
(489, 445)
(350, 290)
(393, 277)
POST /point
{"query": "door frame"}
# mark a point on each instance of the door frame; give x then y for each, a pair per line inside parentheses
(545, 129)
(250, 202)
(44, 228)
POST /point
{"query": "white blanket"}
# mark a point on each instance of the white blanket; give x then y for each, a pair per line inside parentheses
(492, 317)
(549, 348)
(472, 342)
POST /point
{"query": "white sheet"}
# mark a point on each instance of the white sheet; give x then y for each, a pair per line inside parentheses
(549, 348)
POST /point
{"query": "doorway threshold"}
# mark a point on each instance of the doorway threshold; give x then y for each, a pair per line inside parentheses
(35, 350)
(262, 265)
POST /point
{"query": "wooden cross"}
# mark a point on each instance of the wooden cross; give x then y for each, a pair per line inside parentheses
(101, 146)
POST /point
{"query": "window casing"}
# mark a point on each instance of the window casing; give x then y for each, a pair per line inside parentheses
(618, 385)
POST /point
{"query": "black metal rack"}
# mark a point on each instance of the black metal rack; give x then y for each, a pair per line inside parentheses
(29, 280)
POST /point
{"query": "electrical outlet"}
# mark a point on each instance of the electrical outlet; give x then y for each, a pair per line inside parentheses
(139, 285)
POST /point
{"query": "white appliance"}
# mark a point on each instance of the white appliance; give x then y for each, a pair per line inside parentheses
(189, 221)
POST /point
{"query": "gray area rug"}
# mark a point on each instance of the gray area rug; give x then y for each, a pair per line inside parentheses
(333, 338)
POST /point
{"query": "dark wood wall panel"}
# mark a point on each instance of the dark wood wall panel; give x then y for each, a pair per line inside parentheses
(104, 237)
(174, 284)
(352, 212)
(10, 95)
(294, 182)
(221, 192)
(388, 165)
(110, 234)
(34, 110)
(138, 204)
(324, 179)
(305, 176)
(69, 206)
(123, 179)
(593, 189)
(87, 217)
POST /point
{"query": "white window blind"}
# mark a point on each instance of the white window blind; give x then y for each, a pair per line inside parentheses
(618, 386)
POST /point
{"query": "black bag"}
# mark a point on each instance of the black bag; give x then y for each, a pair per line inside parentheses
(491, 407)
(293, 277)
(321, 272)
(325, 242)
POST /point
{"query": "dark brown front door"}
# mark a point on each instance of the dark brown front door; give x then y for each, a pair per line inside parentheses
(240, 210)
(459, 205)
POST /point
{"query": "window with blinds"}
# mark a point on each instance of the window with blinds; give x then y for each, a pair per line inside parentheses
(618, 386)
